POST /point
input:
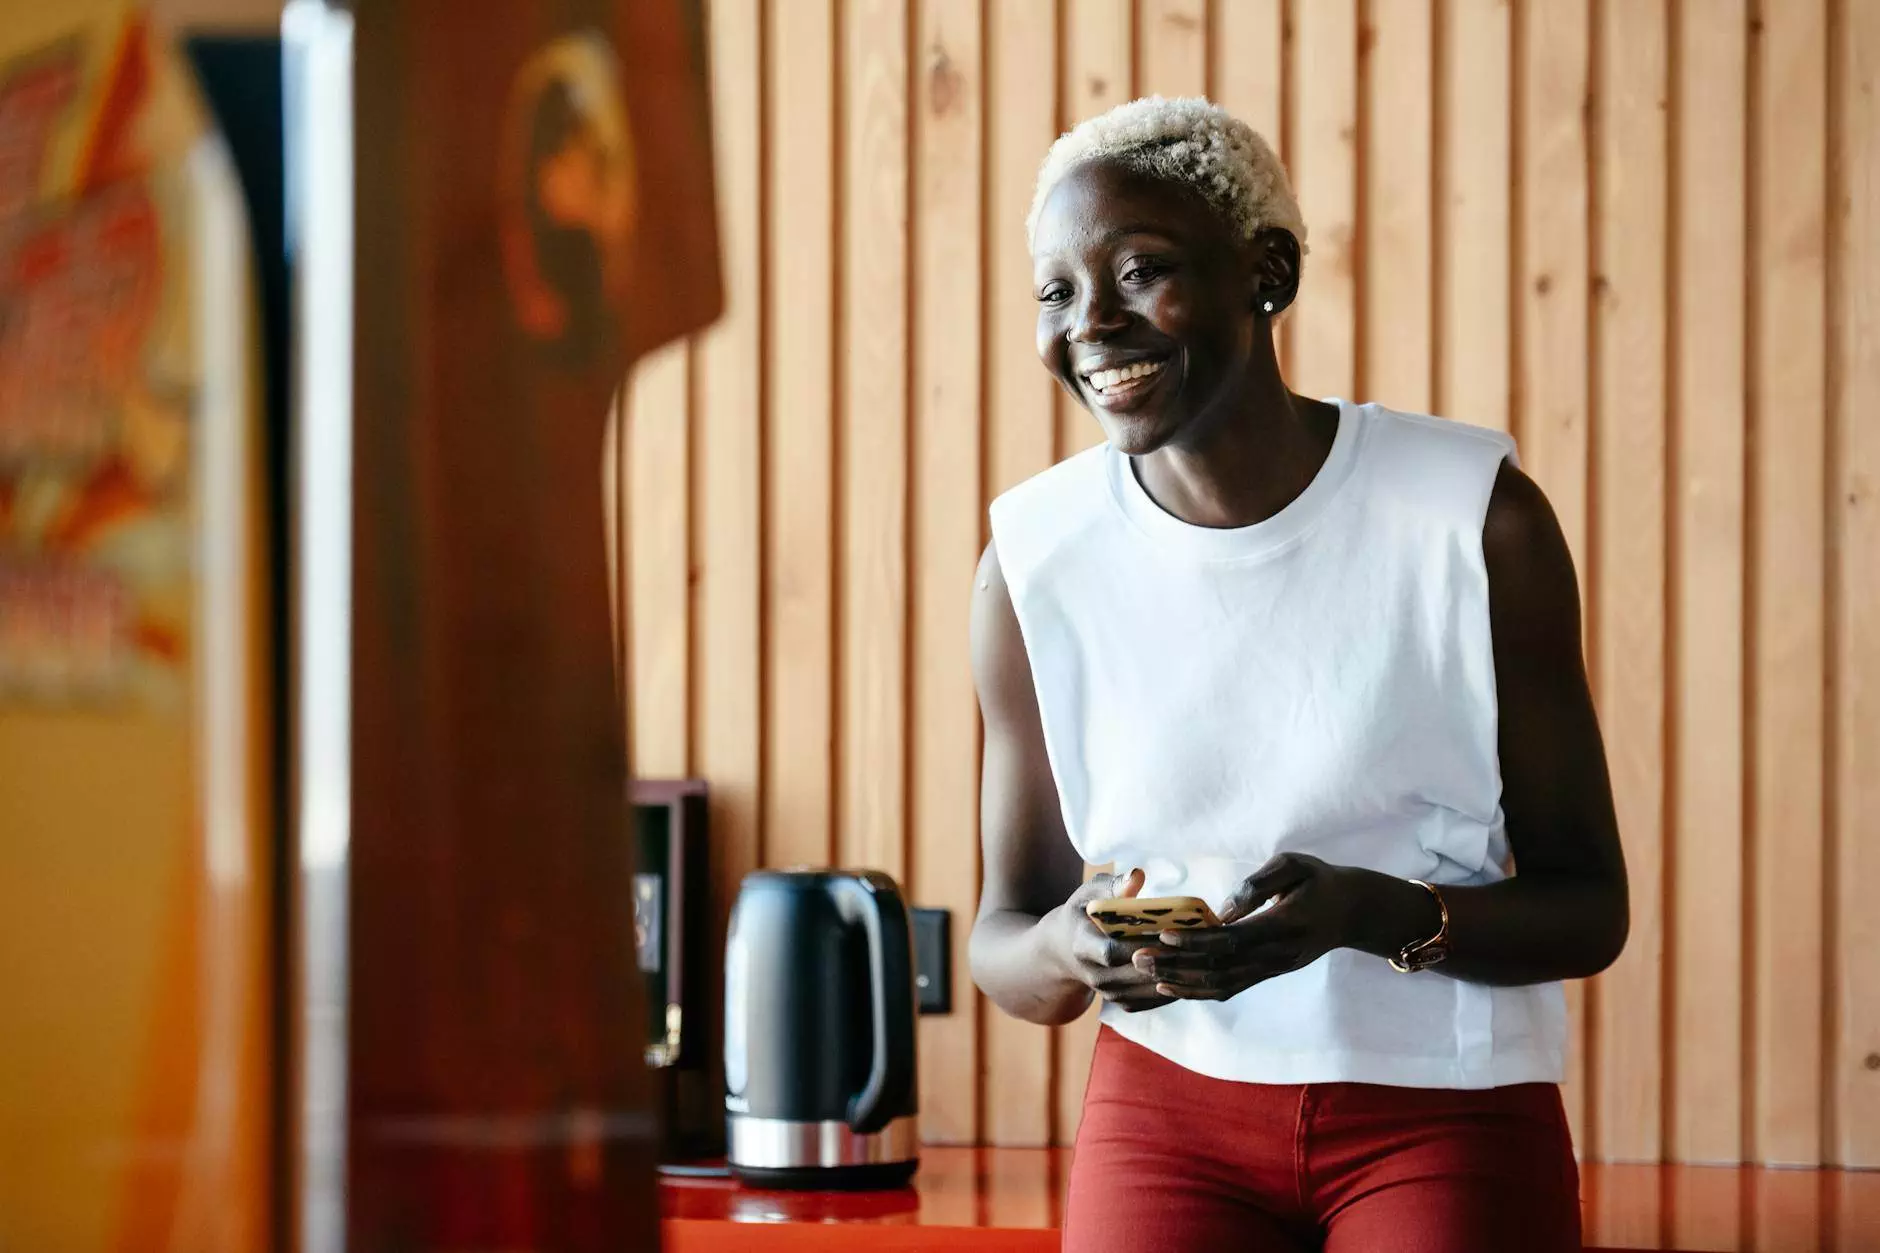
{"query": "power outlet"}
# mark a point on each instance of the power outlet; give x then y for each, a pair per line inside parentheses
(933, 960)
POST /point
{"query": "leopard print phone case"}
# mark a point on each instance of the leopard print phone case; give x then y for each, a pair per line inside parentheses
(1123, 916)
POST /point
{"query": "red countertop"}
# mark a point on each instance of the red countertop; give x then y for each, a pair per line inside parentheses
(1011, 1199)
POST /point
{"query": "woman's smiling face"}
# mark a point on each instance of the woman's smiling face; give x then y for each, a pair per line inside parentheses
(1145, 302)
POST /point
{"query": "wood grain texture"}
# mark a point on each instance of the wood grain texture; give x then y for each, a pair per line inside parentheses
(1021, 37)
(1550, 416)
(1098, 59)
(1707, 545)
(727, 472)
(1247, 77)
(1854, 1086)
(1396, 341)
(943, 716)
(659, 576)
(1787, 454)
(727, 488)
(1246, 55)
(1323, 104)
(1020, 439)
(1629, 286)
(872, 762)
(1172, 47)
(799, 464)
(1474, 231)
(1099, 47)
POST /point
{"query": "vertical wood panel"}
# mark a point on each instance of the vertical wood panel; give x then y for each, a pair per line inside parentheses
(727, 478)
(726, 472)
(1397, 62)
(943, 716)
(1245, 55)
(1323, 159)
(1098, 55)
(1247, 77)
(1474, 232)
(1098, 59)
(873, 658)
(659, 576)
(1021, 431)
(1854, 1088)
(799, 493)
(1551, 416)
(1788, 434)
(1706, 1065)
(1629, 604)
(1173, 39)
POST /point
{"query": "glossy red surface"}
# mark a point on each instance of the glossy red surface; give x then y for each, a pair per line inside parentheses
(984, 1199)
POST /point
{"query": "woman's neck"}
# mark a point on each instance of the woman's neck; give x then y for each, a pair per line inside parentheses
(1246, 461)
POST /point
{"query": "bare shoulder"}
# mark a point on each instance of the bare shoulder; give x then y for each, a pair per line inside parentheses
(998, 647)
(990, 575)
(1531, 582)
(992, 599)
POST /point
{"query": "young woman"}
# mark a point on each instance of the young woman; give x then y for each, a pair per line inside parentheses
(1317, 663)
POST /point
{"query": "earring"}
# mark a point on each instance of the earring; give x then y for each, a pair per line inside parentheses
(1269, 306)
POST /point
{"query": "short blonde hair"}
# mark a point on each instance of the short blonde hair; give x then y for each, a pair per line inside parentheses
(1190, 141)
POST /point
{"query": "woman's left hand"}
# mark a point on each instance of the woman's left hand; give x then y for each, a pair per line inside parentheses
(1312, 906)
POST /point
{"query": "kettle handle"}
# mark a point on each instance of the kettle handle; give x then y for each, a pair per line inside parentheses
(873, 899)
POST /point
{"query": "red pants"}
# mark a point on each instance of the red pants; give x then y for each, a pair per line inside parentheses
(1171, 1160)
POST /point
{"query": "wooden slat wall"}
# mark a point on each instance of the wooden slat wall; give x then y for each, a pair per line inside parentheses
(1015, 1058)
(950, 71)
(1640, 234)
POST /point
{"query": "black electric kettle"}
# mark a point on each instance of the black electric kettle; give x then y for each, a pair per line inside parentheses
(819, 1031)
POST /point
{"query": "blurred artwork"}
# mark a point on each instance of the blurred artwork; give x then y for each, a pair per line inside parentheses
(134, 732)
(566, 187)
(97, 372)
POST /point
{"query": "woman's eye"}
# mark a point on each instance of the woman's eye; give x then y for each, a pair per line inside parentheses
(1054, 295)
(1143, 273)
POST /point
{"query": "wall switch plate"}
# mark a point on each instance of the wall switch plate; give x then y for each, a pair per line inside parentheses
(933, 960)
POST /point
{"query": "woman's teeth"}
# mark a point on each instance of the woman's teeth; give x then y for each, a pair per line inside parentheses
(1125, 378)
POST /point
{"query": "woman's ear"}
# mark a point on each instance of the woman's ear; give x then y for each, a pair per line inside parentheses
(1276, 265)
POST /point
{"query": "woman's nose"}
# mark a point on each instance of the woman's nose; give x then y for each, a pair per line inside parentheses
(1099, 315)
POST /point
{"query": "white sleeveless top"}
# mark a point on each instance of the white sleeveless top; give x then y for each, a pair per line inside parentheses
(1320, 682)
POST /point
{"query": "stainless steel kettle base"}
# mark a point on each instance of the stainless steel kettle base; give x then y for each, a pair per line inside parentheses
(779, 1153)
(875, 1176)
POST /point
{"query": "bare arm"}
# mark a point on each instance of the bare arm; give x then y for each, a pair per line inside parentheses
(1032, 950)
(1564, 913)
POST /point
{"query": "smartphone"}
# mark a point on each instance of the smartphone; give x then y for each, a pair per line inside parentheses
(1123, 916)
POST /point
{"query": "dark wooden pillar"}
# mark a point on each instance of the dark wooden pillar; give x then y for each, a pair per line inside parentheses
(497, 1097)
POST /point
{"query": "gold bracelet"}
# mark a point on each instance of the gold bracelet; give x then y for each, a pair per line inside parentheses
(1425, 953)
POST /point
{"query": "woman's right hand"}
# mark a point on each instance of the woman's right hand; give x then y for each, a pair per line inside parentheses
(1094, 959)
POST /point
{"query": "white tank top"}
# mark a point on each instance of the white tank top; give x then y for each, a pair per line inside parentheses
(1320, 682)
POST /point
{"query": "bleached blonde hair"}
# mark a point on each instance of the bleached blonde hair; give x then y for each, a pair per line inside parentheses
(1190, 141)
